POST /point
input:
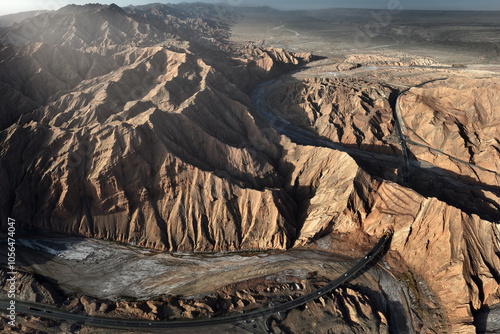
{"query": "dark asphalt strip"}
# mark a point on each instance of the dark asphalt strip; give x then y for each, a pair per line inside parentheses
(52, 313)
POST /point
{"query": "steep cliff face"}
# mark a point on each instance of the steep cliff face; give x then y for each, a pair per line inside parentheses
(322, 180)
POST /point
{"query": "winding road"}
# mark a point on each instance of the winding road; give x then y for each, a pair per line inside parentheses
(304, 136)
(56, 314)
(300, 136)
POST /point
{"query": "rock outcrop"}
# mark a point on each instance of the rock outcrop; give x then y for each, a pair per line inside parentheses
(454, 124)
(30, 288)
(355, 113)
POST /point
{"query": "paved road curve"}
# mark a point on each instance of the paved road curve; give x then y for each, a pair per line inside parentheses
(53, 313)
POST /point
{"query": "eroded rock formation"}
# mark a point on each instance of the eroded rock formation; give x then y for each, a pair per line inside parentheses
(137, 126)
(445, 221)
(134, 141)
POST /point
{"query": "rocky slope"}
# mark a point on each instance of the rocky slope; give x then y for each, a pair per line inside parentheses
(454, 252)
(151, 145)
(352, 112)
(460, 119)
(444, 221)
(95, 26)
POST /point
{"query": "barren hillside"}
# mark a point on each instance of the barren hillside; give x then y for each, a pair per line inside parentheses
(147, 125)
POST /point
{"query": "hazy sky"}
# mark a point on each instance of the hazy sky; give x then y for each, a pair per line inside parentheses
(13, 6)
